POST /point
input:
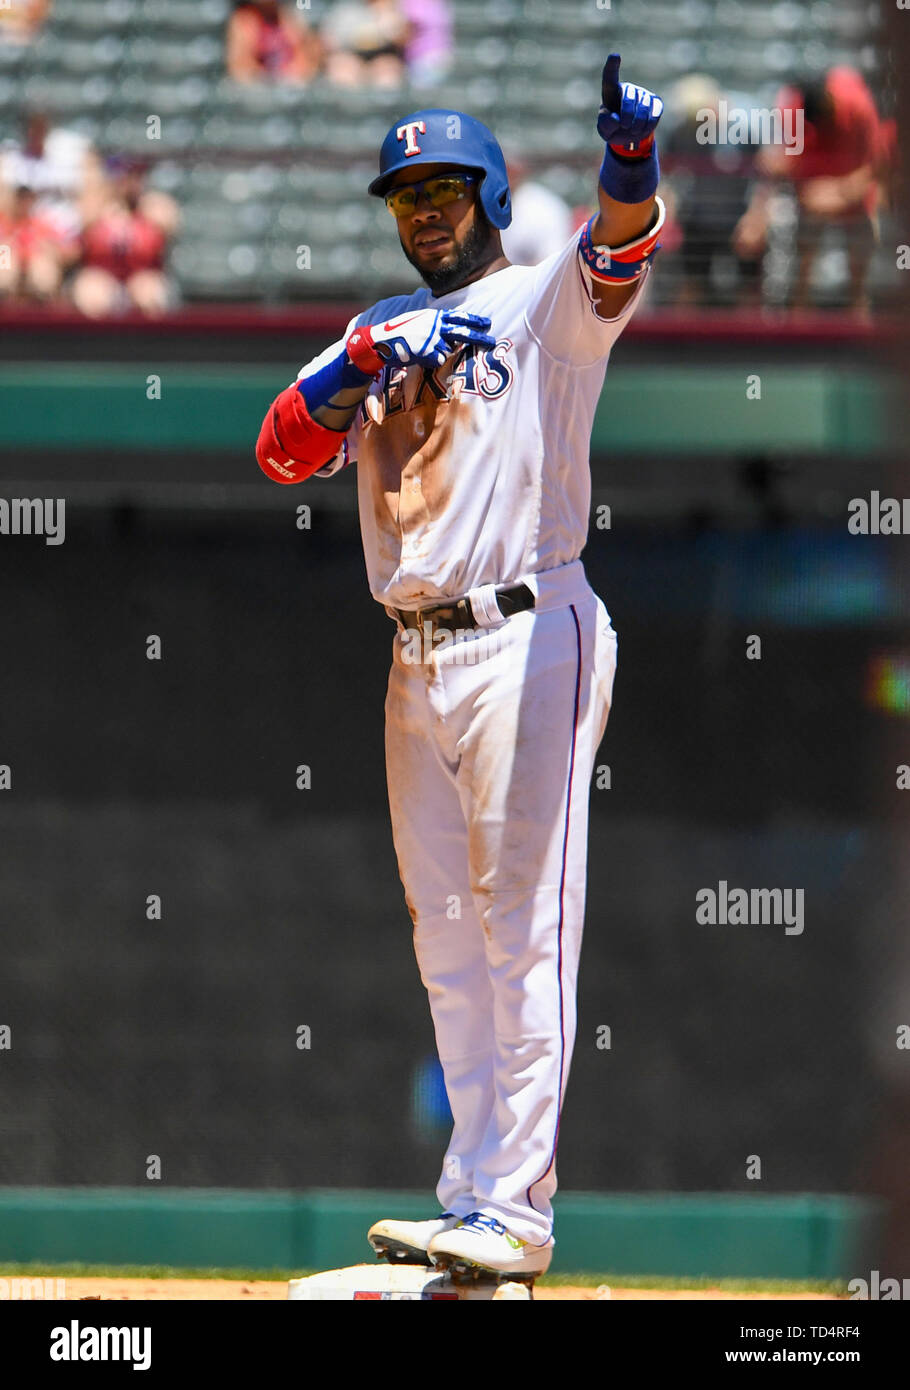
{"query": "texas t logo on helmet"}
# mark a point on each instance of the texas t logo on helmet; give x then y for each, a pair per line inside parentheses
(406, 132)
(457, 140)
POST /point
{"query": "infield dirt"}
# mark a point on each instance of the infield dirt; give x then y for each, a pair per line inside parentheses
(252, 1289)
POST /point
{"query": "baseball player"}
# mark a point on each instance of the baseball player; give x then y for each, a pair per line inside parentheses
(467, 407)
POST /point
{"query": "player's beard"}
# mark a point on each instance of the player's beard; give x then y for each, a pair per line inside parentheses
(475, 251)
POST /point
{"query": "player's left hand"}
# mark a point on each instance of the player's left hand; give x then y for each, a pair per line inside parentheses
(629, 114)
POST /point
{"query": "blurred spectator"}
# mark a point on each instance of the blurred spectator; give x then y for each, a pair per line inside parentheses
(836, 179)
(541, 222)
(58, 165)
(22, 20)
(428, 50)
(888, 164)
(123, 249)
(706, 189)
(37, 252)
(268, 41)
(366, 42)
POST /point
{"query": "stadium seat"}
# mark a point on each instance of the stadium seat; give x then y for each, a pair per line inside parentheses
(92, 17)
(260, 169)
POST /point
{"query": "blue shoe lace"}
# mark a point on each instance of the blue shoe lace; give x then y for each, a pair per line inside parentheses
(487, 1223)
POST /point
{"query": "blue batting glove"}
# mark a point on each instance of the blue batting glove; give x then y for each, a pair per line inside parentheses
(629, 114)
(627, 121)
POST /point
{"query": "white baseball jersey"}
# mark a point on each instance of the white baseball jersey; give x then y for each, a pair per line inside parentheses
(477, 472)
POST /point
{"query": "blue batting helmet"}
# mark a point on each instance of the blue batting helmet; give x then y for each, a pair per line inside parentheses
(435, 136)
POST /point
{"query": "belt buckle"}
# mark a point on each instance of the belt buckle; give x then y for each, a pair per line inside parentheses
(425, 615)
(429, 613)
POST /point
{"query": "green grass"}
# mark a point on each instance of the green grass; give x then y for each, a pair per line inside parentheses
(84, 1271)
(37, 1269)
(696, 1284)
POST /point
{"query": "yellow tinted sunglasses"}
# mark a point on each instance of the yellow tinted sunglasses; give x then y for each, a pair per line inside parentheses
(441, 189)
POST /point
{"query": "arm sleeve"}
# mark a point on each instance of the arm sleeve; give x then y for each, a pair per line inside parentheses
(343, 457)
(317, 363)
(562, 314)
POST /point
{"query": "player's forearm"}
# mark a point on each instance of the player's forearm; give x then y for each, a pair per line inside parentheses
(629, 231)
(339, 411)
(335, 392)
(618, 222)
(305, 427)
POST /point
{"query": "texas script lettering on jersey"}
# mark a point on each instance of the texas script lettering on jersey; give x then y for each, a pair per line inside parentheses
(483, 372)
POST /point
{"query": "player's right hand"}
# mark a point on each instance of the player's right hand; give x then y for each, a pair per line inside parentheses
(425, 337)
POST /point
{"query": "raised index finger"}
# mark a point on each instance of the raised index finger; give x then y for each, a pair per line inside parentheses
(611, 87)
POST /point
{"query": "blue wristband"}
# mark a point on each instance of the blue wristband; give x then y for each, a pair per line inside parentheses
(630, 180)
(335, 376)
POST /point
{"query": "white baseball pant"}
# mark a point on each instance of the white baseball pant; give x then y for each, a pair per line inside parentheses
(489, 765)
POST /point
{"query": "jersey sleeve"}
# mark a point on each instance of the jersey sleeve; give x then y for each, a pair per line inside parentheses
(562, 313)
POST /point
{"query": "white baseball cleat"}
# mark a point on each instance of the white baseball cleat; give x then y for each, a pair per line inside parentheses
(405, 1242)
(480, 1243)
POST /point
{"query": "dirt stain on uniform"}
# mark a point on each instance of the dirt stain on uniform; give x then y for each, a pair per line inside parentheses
(438, 460)
(410, 460)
